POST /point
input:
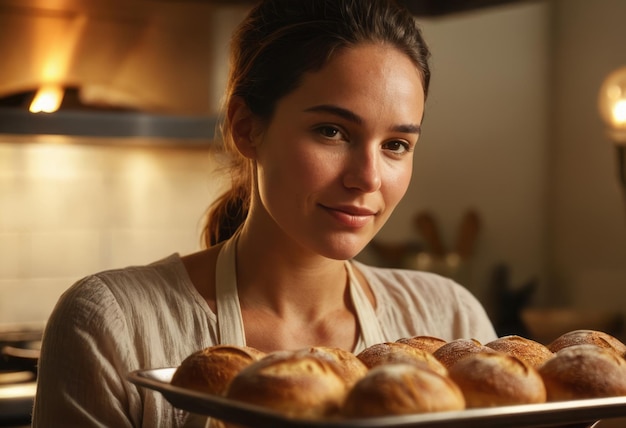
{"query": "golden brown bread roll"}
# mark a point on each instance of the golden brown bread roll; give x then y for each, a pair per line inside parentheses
(584, 371)
(593, 337)
(211, 369)
(490, 379)
(295, 384)
(378, 353)
(398, 389)
(348, 366)
(426, 343)
(395, 352)
(527, 350)
(458, 349)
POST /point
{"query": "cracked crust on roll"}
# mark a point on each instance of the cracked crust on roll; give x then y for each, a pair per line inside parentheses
(211, 369)
(490, 379)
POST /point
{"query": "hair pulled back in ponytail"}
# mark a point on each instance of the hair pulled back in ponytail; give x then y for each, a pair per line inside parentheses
(277, 43)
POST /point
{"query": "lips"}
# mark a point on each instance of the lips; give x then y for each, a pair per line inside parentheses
(351, 216)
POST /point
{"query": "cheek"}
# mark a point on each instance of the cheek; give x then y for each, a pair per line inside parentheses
(295, 172)
(396, 183)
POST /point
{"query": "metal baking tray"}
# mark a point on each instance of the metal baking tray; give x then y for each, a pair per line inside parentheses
(575, 413)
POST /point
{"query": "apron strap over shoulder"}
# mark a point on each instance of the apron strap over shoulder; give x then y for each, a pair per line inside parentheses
(229, 318)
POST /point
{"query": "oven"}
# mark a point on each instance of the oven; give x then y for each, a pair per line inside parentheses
(19, 353)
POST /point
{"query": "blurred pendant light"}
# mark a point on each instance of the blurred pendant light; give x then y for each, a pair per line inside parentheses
(612, 106)
(47, 99)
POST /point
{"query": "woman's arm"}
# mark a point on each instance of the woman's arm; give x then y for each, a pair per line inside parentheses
(84, 358)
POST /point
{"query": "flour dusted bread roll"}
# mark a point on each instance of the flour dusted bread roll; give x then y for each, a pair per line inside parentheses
(592, 337)
(380, 353)
(527, 350)
(293, 383)
(347, 365)
(455, 350)
(211, 369)
(395, 352)
(399, 389)
(490, 379)
(425, 343)
(584, 371)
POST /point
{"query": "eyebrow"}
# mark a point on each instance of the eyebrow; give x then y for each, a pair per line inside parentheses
(409, 128)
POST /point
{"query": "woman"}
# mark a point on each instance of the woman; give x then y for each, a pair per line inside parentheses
(324, 109)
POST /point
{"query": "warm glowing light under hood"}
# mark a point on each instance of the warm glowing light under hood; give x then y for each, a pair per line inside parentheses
(47, 99)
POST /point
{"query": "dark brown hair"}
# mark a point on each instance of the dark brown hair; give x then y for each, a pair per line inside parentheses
(274, 46)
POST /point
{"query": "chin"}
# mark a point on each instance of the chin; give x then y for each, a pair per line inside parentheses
(344, 248)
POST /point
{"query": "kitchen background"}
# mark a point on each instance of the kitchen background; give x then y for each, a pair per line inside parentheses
(511, 132)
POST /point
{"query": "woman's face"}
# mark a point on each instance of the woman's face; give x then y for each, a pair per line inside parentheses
(337, 156)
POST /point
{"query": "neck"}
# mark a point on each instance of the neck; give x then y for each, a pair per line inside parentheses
(284, 278)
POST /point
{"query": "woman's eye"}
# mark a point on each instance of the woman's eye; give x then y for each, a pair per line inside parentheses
(330, 132)
(397, 146)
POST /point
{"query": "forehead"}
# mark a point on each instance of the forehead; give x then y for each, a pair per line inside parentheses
(369, 79)
(365, 52)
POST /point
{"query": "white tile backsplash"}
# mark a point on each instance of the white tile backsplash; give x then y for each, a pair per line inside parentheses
(30, 301)
(135, 247)
(69, 210)
(11, 248)
(63, 253)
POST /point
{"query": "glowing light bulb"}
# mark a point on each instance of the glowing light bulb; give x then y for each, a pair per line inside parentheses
(619, 112)
(612, 106)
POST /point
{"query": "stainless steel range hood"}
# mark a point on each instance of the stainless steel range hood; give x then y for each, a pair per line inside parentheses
(139, 68)
(75, 123)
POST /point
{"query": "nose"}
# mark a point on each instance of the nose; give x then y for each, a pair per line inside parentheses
(363, 170)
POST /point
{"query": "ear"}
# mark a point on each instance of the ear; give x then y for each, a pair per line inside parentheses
(244, 127)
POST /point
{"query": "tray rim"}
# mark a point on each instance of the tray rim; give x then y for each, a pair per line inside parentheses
(582, 412)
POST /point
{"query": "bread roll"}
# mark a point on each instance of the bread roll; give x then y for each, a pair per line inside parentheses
(295, 384)
(398, 389)
(593, 337)
(348, 366)
(211, 369)
(490, 379)
(584, 371)
(458, 349)
(395, 352)
(527, 350)
(426, 343)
